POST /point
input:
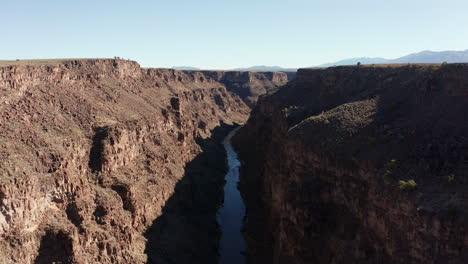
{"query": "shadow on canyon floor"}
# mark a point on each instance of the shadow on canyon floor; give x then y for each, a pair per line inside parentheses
(187, 231)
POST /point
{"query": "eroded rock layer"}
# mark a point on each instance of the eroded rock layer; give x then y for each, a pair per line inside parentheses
(359, 165)
(97, 155)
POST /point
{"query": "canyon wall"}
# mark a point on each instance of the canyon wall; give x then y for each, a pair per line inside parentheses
(249, 85)
(359, 165)
(100, 158)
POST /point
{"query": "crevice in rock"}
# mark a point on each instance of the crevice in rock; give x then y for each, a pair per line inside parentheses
(95, 155)
(123, 191)
(2, 196)
(74, 216)
(175, 103)
(99, 213)
(56, 247)
(219, 101)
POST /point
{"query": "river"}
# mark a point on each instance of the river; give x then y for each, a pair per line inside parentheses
(231, 214)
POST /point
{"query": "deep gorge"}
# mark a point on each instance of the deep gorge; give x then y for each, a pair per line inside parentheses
(103, 161)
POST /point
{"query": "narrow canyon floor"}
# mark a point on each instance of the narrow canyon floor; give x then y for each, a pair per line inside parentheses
(232, 245)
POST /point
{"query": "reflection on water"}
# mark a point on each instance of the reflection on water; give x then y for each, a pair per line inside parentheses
(231, 214)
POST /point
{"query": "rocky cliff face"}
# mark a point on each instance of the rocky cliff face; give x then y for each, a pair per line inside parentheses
(94, 153)
(249, 85)
(359, 165)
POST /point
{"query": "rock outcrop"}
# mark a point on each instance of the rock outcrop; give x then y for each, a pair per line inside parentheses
(359, 165)
(93, 153)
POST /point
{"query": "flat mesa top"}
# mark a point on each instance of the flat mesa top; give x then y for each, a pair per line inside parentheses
(41, 61)
(388, 65)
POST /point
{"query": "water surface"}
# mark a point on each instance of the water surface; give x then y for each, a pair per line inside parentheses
(231, 214)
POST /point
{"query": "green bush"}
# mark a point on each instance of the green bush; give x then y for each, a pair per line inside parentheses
(388, 175)
(407, 185)
(450, 178)
(391, 164)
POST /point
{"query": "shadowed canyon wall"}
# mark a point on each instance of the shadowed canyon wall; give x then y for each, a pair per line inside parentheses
(359, 165)
(96, 155)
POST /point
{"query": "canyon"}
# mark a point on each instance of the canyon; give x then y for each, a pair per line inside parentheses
(103, 161)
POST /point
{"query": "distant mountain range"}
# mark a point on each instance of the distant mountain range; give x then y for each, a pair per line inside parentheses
(265, 68)
(254, 68)
(426, 56)
(352, 61)
(185, 68)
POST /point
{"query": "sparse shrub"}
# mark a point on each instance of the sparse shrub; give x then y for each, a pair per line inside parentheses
(436, 68)
(94, 177)
(388, 175)
(76, 132)
(391, 164)
(29, 144)
(291, 109)
(407, 185)
(450, 179)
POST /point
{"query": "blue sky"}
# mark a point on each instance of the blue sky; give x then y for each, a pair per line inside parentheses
(218, 34)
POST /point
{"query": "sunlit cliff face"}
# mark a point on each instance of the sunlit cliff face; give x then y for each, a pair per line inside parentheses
(92, 152)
